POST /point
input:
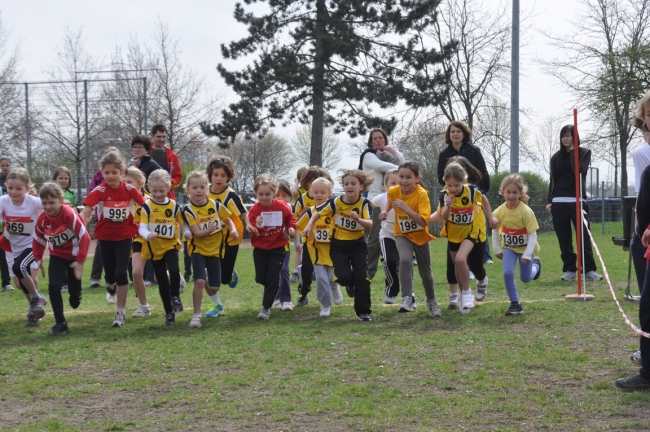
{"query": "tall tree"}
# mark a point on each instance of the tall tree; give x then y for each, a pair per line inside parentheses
(331, 61)
(12, 132)
(301, 144)
(605, 64)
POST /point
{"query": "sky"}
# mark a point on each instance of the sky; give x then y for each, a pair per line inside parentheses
(201, 26)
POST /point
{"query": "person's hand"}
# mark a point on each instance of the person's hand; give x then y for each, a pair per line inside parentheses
(548, 208)
(449, 200)
(354, 216)
(499, 255)
(306, 231)
(40, 266)
(292, 231)
(78, 269)
(400, 205)
(382, 216)
(494, 223)
(251, 229)
(234, 235)
(152, 236)
(188, 235)
(298, 247)
(389, 149)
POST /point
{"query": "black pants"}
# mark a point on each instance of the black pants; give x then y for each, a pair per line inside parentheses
(644, 321)
(168, 285)
(374, 249)
(474, 262)
(115, 257)
(228, 259)
(22, 266)
(351, 269)
(638, 250)
(564, 214)
(187, 262)
(391, 264)
(4, 269)
(306, 270)
(98, 265)
(59, 270)
(268, 266)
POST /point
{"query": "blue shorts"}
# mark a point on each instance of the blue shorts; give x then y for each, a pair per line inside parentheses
(213, 265)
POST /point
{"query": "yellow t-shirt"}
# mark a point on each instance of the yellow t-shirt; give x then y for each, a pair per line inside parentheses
(164, 220)
(211, 211)
(462, 221)
(300, 193)
(418, 201)
(318, 241)
(229, 198)
(515, 225)
(346, 228)
(303, 203)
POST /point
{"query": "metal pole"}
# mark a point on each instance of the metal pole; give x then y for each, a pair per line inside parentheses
(146, 126)
(27, 130)
(514, 91)
(87, 136)
(603, 207)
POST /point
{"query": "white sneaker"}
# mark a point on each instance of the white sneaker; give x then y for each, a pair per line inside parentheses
(287, 306)
(489, 262)
(592, 276)
(337, 296)
(264, 314)
(324, 311)
(454, 301)
(389, 300)
(471, 276)
(276, 304)
(110, 298)
(434, 310)
(467, 301)
(142, 311)
(195, 321)
(569, 276)
(481, 290)
(181, 288)
(119, 320)
(7, 288)
(407, 304)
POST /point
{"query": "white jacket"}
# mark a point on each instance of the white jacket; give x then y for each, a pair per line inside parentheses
(378, 167)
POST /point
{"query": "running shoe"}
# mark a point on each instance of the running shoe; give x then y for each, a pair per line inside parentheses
(215, 311)
(170, 318)
(515, 309)
(324, 311)
(467, 302)
(195, 321)
(337, 296)
(59, 329)
(177, 306)
(264, 314)
(434, 309)
(481, 290)
(119, 320)
(407, 304)
(235, 279)
(142, 311)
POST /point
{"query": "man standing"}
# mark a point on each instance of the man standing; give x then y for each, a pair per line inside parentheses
(165, 157)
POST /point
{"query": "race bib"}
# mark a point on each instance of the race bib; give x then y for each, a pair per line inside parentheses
(407, 225)
(514, 237)
(116, 211)
(347, 223)
(272, 219)
(19, 225)
(59, 236)
(203, 226)
(166, 229)
(322, 236)
(461, 216)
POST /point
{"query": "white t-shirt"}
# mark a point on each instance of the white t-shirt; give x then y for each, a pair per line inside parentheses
(387, 226)
(641, 158)
(19, 221)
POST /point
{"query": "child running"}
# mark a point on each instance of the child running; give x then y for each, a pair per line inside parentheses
(205, 216)
(283, 300)
(115, 228)
(318, 246)
(63, 178)
(348, 248)
(19, 211)
(296, 192)
(60, 229)
(159, 220)
(516, 238)
(271, 224)
(136, 178)
(221, 170)
(412, 211)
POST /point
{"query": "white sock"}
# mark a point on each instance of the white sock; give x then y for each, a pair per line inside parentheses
(215, 298)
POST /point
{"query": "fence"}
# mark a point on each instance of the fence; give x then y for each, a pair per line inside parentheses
(70, 123)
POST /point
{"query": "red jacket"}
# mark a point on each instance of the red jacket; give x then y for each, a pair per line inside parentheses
(65, 235)
(174, 169)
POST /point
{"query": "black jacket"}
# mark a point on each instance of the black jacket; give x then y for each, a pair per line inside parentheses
(558, 159)
(147, 166)
(473, 155)
(643, 203)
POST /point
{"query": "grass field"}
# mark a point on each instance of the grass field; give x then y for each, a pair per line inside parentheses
(550, 368)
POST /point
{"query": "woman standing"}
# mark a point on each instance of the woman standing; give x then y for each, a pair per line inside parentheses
(561, 201)
(379, 158)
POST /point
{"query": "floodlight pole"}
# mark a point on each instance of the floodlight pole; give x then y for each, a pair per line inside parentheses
(514, 91)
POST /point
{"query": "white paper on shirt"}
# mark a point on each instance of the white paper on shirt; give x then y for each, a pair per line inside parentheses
(272, 219)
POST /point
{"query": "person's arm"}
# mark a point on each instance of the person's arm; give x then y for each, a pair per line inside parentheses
(409, 211)
(643, 202)
(366, 223)
(38, 242)
(496, 243)
(485, 203)
(234, 234)
(143, 229)
(585, 160)
(527, 256)
(551, 180)
(372, 163)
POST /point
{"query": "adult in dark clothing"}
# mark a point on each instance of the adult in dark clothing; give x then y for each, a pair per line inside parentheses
(5, 167)
(141, 157)
(458, 138)
(561, 201)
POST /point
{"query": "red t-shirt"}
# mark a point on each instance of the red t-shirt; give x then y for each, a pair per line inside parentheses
(115, 208)
(271, 222)
(65, 235)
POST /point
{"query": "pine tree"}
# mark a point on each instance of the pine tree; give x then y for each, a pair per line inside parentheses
(330, 61)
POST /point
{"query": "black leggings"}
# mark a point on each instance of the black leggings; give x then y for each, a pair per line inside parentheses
(391, 264)
(351, 269)
(115, 257)
(59, 270)
(306, 270)
(166, 287)
(268, 266)
(474, 262)
(228, 259)
(4, 268)
(22, 266)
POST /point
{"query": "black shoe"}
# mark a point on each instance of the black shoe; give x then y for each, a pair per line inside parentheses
(59, 329)
(364, 317)
(170, 318)
(636, 382)
(350, 290)
(302, 301)
(514, 309)
(32, 321)
(177, 306)
(75, 300)
(539, 272)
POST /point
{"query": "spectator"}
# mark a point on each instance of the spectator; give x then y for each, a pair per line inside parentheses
(165, 157)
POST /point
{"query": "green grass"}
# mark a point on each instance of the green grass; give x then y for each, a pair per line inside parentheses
(551, 368)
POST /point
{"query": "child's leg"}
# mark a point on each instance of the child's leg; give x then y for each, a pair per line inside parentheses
(171, 259)
(509, 262)
(228, 263)
(451, 273)
(22, 270)
(527, 271)
(359, 262)
(340, 255)
(122, 252)
(198, 266)
(4, 269)
(391, 262)
(285, 282)
(55, 273)
(475, 261)
(268, 265)
(160, 270)
(187, 262)
(323, 287)
(138, 264)
(405, 252)
(460, 261)
(74, 287)
(423, 256)
(297, 258)
(306, 271)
